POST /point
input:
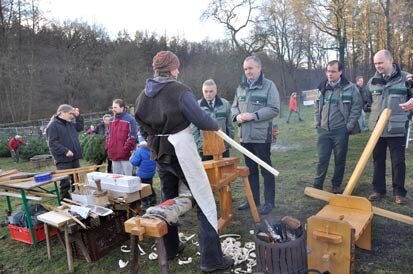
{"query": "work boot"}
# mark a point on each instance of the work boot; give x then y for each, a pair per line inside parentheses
(266, 209)
(336, 190)
(244, 206)
(375, 196)
(400, 200)
(227, 262)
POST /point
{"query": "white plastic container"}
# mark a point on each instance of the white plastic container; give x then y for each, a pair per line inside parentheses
(115, 182)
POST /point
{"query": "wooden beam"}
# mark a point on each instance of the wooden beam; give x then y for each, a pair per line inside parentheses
(368, 150)
(246, 152)
(325, 196)
(17, 195)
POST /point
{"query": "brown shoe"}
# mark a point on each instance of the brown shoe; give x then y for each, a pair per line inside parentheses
(375, 196)
(400, 200)
(336, 190)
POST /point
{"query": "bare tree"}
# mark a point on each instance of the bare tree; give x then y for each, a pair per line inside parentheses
(238, 16)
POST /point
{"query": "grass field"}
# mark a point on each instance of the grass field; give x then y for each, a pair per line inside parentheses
(295, 157)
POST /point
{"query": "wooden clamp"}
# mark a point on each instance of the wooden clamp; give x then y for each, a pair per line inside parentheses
(139, 226)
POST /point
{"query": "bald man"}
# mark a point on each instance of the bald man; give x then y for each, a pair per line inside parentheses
(387, 89)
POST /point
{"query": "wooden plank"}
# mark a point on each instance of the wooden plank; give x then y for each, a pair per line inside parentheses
(54, 218)
(246, 152)
(17, 195)
(325, 196)
(213, 145)
(8, 172)
(327, 253)
(368, 150)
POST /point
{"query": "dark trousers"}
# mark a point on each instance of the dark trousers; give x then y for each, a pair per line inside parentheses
(151, 199)
(65, 185)
(208, 157)
(209, 243)
(397, 146)
(262, 151)
(336, 141)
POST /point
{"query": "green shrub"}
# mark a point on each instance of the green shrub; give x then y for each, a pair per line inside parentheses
(36, 146)
(93, 147)
(4, 149)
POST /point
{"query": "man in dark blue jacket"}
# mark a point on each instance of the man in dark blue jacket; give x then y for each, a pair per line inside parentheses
(165, 108)
(63, 141)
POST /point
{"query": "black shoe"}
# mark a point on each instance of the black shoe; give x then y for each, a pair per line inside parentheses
(244, 206)
(336, 190)
(266, 209)
(227, 262)
(318, 187)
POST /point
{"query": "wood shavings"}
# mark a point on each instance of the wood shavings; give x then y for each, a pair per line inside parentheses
(123, 264)
(142, 252)
(153, 256)
(182, 262)
(124, 248)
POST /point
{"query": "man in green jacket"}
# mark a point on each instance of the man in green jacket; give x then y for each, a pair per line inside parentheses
(337, 110)
(387, 89)
(255, 105)
(217, 108)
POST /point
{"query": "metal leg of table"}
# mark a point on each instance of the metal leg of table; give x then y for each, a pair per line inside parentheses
(9, 208)
(28, 217)
(56, 189)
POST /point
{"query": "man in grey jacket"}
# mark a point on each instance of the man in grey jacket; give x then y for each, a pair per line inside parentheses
(255, 105)
(337, 110)
(217, 108)
(387, 89)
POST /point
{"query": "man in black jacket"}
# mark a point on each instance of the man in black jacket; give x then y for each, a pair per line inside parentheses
(63, 141)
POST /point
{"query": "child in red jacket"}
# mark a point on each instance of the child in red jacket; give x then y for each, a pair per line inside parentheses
(293, 107)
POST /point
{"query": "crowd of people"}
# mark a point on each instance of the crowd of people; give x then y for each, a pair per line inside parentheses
(165, 136)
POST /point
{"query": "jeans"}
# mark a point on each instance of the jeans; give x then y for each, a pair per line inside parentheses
(122, 167)
(209, 243)
(262, 151)
(336, 141)
(362, 120)
(397, 146)
(289, 115)
(65, 185)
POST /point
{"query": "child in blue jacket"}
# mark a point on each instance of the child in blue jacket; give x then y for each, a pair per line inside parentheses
(146, 170)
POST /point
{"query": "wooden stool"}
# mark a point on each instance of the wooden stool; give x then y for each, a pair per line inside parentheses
(333, 231)
(157, 228)
(221, 173)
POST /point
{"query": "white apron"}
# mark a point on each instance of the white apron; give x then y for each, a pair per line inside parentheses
(191, 164)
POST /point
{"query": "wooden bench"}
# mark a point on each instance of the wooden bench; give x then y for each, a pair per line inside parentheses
(334, 231)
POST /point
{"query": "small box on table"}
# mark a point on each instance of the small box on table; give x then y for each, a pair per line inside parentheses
(116, 182)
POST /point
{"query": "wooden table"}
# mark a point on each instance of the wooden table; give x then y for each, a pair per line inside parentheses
(20, 190)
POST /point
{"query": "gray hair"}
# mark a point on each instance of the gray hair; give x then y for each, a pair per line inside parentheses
(209, 82)
(106, 116)
(255, 59)
(64, 108)
(386, 53)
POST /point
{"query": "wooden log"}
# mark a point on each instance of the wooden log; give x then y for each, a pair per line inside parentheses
(325, 196)
(368, 150)
(246, 152)
(8, 172)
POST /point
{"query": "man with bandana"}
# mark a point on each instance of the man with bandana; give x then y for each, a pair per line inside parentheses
(165, 110)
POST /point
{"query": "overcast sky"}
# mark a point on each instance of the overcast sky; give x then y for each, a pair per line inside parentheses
(170, 17)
